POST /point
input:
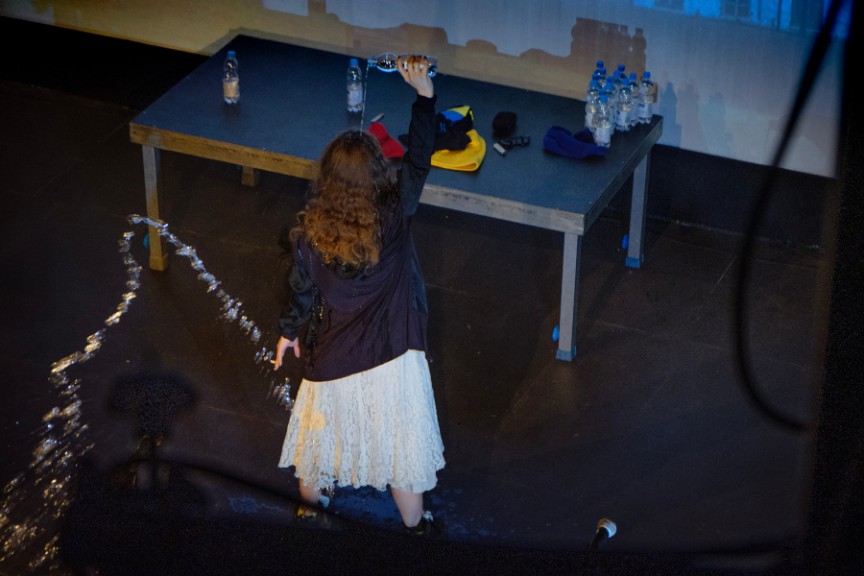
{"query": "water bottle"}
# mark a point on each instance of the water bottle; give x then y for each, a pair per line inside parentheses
(624, 108)
(599, 70)
(386, 62)
(602, 123)
(601, 77)
(619, 78)
(231, 79)
(620, 72)
(355, 87)
(606, 90)
(646, 98)
(612, 86)
(633, 84)
(591, 98)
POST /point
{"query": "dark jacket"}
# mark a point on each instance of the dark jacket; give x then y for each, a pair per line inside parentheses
(357, 322)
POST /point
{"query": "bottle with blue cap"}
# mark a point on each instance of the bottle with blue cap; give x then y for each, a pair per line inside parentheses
(355, 86)
(646, 98)
(231, 79)
(599, 73)
(624, 108)
(603, 123)
(611, 89)
(633, 83)
(602, 78)
(606, 90)
(591, 98)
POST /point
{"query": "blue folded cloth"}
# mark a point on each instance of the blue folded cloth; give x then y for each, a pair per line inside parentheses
(560, 141)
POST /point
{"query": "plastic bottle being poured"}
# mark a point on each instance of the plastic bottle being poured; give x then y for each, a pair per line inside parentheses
(387, 62)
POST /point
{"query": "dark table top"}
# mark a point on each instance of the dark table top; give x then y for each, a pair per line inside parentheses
(292, 102)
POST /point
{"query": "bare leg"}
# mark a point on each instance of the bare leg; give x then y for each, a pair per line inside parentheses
(310, 495)
(410, 505)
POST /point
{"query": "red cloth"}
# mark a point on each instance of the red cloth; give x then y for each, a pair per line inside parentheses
(390, 146)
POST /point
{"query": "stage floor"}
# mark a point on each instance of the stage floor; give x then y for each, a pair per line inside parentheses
(650, 425)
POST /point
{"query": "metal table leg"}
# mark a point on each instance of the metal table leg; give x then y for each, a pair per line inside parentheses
(158, 252)
(636, 238)
(569, 296)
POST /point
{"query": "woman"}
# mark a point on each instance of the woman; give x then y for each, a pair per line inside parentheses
(365, 411)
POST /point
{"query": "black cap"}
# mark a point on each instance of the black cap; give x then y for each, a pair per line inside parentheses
(503, 125)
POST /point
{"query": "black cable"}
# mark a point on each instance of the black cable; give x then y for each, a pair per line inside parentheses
(814, 63)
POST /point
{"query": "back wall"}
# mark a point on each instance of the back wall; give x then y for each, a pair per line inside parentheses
(724, 83)
(725, 80)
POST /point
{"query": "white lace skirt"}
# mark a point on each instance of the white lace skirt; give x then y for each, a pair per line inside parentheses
(375, 428)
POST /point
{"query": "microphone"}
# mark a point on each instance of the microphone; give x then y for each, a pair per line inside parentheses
(606, 529)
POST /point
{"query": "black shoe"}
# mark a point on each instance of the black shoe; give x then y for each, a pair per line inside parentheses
(427, 527)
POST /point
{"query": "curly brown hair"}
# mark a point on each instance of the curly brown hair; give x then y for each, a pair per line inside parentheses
(341, 218)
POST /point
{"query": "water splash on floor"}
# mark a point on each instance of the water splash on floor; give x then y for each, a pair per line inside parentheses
(36, 498)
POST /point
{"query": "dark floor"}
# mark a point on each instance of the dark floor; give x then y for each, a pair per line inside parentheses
(650, 425)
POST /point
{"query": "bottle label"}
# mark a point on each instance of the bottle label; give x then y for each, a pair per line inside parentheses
(645, 111)
(603, 134)
(231, 88)
(355, 96)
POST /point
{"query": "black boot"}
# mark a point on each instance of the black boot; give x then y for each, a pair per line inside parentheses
(427, 527)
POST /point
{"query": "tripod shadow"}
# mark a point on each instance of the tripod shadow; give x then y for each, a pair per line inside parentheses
(137, 517)
(154, 399)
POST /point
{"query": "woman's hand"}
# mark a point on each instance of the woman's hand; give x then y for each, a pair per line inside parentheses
(282, 346)
(415, 71)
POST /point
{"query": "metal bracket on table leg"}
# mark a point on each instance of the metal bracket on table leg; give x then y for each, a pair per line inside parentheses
(249, 176)
(569, 297)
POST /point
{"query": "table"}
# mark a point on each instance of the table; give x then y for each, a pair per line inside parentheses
(292, 103)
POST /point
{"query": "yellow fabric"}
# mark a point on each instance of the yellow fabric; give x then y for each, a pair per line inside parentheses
(466, 160)
(463, 111)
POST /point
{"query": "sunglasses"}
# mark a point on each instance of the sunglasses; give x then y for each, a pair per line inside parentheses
(514, 142)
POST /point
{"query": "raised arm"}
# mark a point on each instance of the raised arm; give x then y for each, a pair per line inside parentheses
(421, 133)
(414, 70)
